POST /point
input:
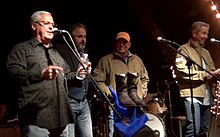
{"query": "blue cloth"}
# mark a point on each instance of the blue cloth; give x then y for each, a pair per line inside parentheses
(136, 117)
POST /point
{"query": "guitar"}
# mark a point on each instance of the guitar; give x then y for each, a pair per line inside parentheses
(215, 109)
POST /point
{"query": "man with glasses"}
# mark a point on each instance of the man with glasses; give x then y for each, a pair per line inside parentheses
(40, 74)
(43, 23)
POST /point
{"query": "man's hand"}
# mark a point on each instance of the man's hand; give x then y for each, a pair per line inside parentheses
(82, 73)
(215, 73)
(51, 72)
(110, 98)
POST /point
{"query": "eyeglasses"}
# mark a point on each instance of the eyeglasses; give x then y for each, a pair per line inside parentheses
(43, 23)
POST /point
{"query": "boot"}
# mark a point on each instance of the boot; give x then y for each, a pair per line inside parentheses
(149, 97)
(122, 91)
(132, 89)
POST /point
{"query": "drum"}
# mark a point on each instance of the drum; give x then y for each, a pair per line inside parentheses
(156, 124)
(157, 107)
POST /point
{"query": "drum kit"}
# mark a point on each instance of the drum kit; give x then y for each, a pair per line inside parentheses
(156, 111)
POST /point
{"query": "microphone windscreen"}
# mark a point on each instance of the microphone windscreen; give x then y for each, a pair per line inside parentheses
(159, 38)
(212, 40)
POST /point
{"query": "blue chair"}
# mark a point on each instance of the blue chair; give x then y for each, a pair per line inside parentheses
(136, 117)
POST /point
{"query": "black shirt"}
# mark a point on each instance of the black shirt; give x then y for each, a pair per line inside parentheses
(41, 102)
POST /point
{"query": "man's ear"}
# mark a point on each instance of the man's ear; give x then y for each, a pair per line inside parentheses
(194, 34)
(33, 26)
(129, 43)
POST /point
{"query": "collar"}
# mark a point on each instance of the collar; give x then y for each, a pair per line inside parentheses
(36, 43)
(129, 54)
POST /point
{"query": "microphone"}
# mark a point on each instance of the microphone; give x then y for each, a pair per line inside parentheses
(165, 40)
(56, 30)
(214, 40)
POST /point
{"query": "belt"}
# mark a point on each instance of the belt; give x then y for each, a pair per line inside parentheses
(78, 100)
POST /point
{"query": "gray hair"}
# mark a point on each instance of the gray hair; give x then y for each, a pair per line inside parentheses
(196, 26)
(35, 17)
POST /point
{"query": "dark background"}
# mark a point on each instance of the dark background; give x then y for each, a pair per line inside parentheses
(145, 20)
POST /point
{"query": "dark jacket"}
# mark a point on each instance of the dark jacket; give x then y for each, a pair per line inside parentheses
(41, 102)
(77, 89)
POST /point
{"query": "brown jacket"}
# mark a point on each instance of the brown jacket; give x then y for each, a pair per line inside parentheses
(112, 64)
(195, 52)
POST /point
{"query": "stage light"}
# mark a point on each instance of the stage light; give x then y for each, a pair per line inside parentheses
(213, 7)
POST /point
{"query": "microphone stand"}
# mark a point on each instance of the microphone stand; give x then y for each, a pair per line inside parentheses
(167, 89)
(189, 63)
(77, 55)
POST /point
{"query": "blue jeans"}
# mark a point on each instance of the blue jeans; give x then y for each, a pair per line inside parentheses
(202, 117)
(35, 131)
(83, 123)
(111, 123)
(68, 131)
